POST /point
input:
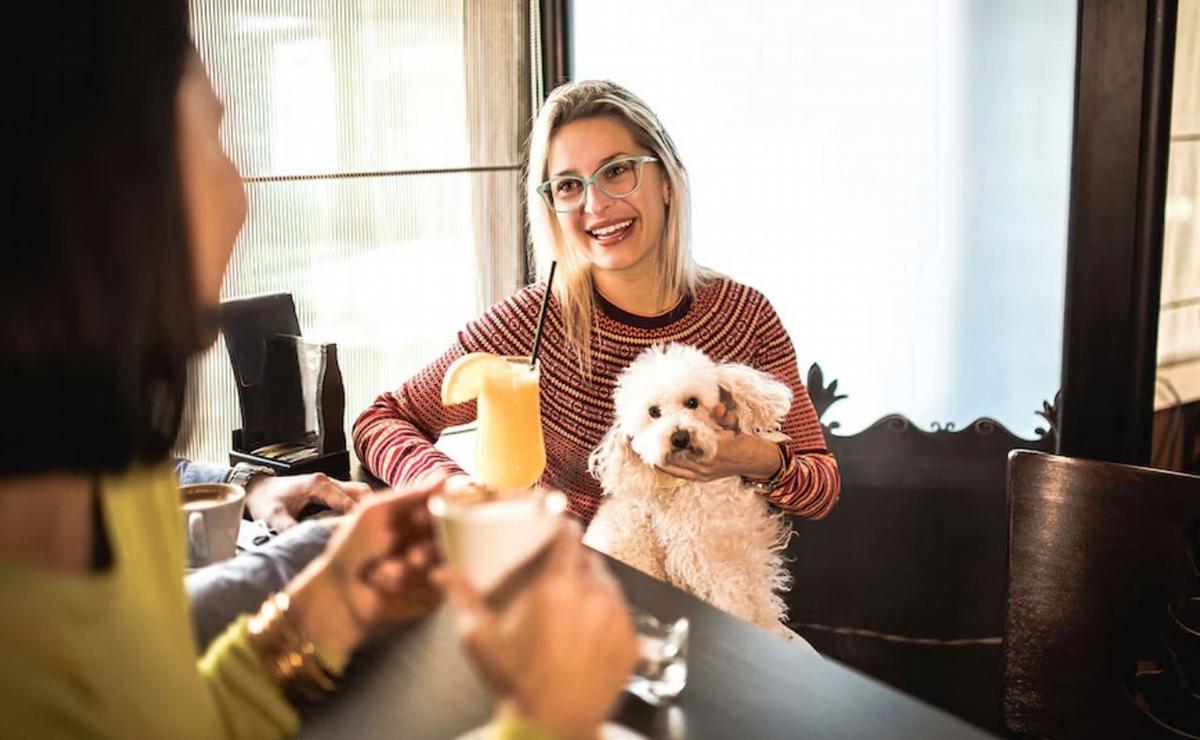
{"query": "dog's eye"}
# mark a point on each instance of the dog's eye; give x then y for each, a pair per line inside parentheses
(692, 403)
(655, 412)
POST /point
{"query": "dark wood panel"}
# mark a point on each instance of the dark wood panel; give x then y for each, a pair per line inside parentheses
(556, 43)
(1101, 557)
(1114, 244)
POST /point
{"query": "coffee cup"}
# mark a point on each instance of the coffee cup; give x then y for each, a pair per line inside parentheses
(212, 515)
(487, 536)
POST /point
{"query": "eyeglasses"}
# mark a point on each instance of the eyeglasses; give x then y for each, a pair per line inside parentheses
(619, 178)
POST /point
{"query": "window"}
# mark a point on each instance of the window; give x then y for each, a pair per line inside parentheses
(893, 176)
(380, 144)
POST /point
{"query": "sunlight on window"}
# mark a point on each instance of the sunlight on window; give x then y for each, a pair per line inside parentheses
(893, 176)
(335, 113)
(303, 123)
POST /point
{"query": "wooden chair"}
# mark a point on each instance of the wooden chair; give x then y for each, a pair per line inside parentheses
(1101, 576)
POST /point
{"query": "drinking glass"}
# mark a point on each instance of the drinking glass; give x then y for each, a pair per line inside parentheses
(661, 670)
(510, 451)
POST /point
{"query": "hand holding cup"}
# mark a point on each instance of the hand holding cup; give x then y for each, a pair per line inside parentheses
(560, 652)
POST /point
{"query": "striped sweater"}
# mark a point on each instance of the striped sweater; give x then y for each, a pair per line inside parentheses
(728, 321)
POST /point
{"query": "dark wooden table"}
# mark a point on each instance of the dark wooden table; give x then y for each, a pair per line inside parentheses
(742, 683)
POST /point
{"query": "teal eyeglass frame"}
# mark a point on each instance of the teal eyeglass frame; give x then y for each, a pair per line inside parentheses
(639, 163)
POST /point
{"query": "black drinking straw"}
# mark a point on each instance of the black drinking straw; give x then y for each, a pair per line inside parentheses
(537, 335)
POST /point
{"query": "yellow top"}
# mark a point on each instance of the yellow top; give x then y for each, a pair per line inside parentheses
(513, 727)
(111, 654)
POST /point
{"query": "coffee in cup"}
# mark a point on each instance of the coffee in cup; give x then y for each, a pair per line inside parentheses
(212, 515)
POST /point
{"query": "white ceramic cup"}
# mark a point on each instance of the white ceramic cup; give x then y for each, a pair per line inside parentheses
(212, 515)
(487, 540)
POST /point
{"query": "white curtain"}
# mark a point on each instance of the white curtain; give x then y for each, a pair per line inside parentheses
(380, 142)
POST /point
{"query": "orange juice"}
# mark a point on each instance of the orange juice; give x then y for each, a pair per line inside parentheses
(510, 452)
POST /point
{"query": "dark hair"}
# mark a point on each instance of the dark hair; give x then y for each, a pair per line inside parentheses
(99, 310)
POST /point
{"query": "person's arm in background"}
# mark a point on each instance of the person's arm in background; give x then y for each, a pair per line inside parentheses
(218, 594)
(192, 472)
(277, 500)
(394, 438)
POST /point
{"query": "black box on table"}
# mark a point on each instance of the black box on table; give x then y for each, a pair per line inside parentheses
(289, 389)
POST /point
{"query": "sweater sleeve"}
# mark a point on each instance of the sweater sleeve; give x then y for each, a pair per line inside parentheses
(810, 482)
(394, 438)
(191, 471)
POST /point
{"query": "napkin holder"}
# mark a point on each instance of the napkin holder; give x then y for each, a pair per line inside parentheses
(290, 390)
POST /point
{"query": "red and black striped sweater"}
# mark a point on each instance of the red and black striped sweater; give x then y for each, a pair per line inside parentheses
(728, 321)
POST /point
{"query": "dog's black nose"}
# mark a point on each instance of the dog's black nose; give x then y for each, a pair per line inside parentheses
(680, 439)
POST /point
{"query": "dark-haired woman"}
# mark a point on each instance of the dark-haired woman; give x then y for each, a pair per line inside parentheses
(121, 210)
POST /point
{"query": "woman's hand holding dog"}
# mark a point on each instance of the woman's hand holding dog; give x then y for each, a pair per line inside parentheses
(737, 454)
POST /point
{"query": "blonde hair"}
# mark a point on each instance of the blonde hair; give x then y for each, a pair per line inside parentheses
(573, 286)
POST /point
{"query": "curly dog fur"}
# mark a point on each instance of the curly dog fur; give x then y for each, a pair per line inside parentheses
(719, 540)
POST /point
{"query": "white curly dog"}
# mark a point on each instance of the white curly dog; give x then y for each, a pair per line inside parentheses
(719, 540)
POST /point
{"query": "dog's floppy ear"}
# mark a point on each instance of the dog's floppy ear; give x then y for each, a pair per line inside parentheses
(614, 463)
(759, 400)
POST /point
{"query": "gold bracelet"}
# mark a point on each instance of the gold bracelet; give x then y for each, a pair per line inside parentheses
(291, 659)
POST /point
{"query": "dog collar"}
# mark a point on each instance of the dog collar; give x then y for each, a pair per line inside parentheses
(667, 481)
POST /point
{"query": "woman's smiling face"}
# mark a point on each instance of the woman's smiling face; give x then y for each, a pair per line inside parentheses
(616, 234)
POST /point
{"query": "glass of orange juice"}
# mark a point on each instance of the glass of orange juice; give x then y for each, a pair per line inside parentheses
(510, 451)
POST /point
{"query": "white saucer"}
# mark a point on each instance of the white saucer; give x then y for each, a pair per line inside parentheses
(609, 731)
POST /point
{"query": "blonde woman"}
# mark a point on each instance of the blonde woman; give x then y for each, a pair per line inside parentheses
(607, 197)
